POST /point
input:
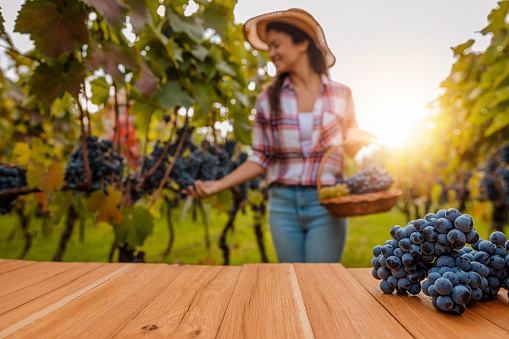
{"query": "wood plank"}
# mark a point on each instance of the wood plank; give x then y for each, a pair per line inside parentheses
(11, 265)
(191, 305)
(411, 310)
(496, 311)
(20, 317)
(266, 303)
(105, 310)
(25, 295)
(31, 274)
(337, 304)
(35, 298)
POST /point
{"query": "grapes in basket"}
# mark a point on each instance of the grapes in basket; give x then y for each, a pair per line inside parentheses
(372, 179)
(337, 190)
(430, 255)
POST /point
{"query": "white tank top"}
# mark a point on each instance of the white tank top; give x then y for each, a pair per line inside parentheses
(306, 128)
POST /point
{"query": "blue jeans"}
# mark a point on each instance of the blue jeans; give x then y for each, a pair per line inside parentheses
(302, 230)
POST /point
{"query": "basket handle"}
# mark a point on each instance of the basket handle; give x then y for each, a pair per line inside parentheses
(335, 147)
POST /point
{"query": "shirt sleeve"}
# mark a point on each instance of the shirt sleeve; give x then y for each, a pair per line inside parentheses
(261, 145)
(350, 120)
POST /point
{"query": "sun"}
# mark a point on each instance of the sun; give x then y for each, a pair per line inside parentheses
(390, 117)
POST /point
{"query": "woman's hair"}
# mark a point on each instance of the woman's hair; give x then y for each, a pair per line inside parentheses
(316, 60)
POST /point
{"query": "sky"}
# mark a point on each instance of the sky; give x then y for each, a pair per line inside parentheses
(393, 54)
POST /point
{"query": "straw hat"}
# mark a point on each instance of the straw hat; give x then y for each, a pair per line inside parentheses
(256, 35)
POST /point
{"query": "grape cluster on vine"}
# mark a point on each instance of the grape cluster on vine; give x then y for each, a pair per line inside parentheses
(105, 164)
(435, 247)
(10, 178)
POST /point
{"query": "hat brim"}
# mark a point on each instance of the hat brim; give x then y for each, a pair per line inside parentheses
(256, 35)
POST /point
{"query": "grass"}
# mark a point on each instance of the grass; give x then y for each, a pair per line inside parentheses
(189, 246)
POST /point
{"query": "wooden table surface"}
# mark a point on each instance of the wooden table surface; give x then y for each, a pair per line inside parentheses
(97, 300)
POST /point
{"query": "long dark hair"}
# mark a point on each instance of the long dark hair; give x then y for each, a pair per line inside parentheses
(316, 60)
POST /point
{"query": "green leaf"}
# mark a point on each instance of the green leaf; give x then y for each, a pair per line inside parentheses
(225, 67)
(47, 180)
(106, 206)
(139, 14)
(242, 127)
(500, 121)
(460, 49)
(50, 82)
(218, 16)
(113, 11)
(110, 56)
(59, 205)
(147, 84)
(172, 94)
(497, 18)
(200, 52)
(192, 26)
(22, 153)
(137, 224)
(204, 94)
(100, 91)
(53, 32)
(81, 206)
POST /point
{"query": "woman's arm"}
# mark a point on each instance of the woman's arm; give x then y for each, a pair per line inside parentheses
(245, 172)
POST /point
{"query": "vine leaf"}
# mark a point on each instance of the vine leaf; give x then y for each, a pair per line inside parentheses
(53, 32)
(40, 151)
(147, 84)
(139, 14)
(110, 56)
(136, 225)
(172, 94)
(106, 205)
(460, 49)
(59, 205)
(100, 91)
(51, 81)
(22, 153)
(192, 26)
(113, 11)
(46, 179)
(218, 16)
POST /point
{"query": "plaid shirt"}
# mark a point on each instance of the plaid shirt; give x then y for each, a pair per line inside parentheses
(276, 140)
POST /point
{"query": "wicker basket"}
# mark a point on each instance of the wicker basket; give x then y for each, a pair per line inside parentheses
(358, 204)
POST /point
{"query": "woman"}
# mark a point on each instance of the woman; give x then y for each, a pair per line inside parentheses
(299, 117)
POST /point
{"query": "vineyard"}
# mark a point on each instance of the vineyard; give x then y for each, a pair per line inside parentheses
(121, 106)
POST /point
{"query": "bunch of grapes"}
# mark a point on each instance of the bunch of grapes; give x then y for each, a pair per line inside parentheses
(338, 190)
(10, 178)
(503, 172)
(503, 152)
(435, 247)
(491, 188)
(451, 289)
(372, 179)
(104, 163)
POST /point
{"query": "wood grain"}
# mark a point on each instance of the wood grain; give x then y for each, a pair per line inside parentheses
(266, 303)
(413, 310)
(105, 310)
(54, 291)
(18, 279)
(337, 305)
(11, 265)
(496, 311)
(192, 305)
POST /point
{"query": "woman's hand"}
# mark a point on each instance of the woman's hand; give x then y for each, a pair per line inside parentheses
(203, 189)
(356, 138)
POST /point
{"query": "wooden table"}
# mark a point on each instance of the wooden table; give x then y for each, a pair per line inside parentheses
(96, 300)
